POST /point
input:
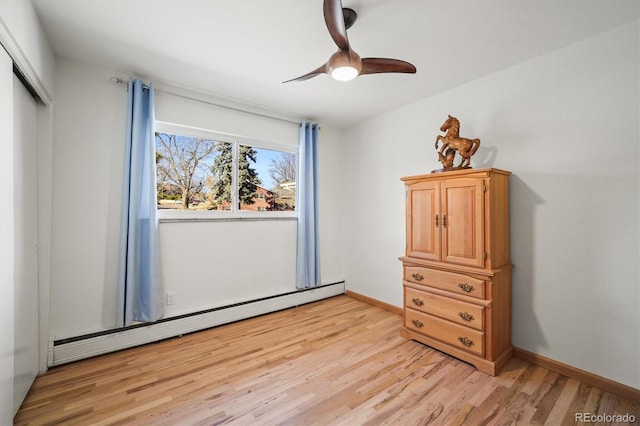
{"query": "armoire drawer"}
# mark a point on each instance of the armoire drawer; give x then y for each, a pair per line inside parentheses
(446, 331)
(456, 283)
(443, 307)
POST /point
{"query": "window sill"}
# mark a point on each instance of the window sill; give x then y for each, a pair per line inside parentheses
(208, 216)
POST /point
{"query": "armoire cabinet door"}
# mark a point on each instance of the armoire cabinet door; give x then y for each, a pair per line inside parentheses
(423, 220)
(463, 221)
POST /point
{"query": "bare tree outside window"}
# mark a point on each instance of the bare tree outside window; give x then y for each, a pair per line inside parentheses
(283, 168)
(181, 167)
(283, 173)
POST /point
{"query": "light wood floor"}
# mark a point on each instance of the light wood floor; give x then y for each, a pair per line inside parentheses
(338, 361)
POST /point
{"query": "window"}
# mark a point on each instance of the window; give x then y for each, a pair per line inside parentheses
(200, 171)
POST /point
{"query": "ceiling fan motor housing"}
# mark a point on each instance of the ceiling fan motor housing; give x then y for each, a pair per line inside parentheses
(349, 16)
(344, 65)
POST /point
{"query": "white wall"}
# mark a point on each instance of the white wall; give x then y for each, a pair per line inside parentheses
(205, 265)
(566, 125)
(332, 189)
(89, 126)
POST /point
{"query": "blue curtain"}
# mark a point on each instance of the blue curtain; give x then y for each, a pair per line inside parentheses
(140, 293)
(308, 248)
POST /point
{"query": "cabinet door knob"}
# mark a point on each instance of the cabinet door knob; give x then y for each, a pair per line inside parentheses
(466, 341)
(466, 287)
(417, 301)
(417, 323)
(444, 220)
(466, 316)
(436, 220)
(417, 277)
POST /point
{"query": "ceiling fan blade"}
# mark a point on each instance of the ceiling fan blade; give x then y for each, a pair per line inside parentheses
(334, 19)
(322, 69)
(382, 65)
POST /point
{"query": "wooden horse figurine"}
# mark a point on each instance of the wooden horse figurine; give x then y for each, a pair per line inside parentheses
(453, 142)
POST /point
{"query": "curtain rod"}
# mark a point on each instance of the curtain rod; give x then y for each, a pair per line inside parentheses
(119, 80)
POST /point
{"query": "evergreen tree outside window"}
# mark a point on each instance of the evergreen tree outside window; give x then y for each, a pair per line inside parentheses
(248, 181)
(222, 176)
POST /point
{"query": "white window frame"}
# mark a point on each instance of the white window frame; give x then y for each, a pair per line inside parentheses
(225, 215)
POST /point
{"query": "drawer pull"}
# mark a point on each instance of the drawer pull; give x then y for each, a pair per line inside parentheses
(466, 316)
(417, 301)
(417, 277)
(466, 341)
(417, 323)
(466, 287)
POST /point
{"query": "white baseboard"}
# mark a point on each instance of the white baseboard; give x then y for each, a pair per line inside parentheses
(97, 345)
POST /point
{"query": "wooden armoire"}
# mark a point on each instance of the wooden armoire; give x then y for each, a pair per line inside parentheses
(457, 271)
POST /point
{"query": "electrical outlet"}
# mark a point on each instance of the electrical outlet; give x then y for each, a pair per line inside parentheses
(171, 298)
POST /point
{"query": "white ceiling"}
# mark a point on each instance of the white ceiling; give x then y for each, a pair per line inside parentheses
(244, 49)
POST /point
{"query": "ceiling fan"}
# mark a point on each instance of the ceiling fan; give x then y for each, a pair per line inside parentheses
(346, 64)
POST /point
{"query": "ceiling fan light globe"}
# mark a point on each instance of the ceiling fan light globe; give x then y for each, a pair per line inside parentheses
(344, 73)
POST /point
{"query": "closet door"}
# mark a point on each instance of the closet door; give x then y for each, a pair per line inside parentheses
(7, 308)
(25, 205)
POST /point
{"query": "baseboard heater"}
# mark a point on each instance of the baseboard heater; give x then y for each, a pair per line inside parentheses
(76, 348)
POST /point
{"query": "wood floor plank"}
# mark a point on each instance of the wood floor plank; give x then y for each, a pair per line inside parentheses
(564, 400)
(339, 361)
